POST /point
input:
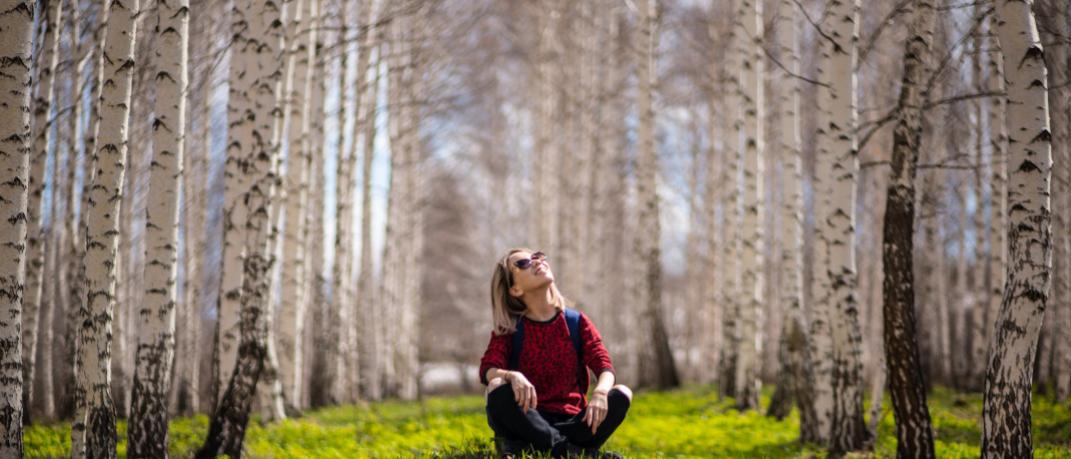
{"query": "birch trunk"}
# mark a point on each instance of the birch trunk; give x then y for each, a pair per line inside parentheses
(388, 294)
(997, 262)
(148, 434)
(796, 373)
(1054, 22)
(68, 231)
(1062, 278)
(914, 431)
(102, 231)
(366, 301)
(294, 297)
(731, 292)
(1006, 410)
(822, 310)
(657, 368)
(235, 214)
(16, 34)
(979, 297)
(45, 68)
(848, 431)
(92, 52)
(748, 385)
(185, 394)
(256, 75)
(715, 190)
(408, 363)
(318, 381)
(341, 300)
(358, 315)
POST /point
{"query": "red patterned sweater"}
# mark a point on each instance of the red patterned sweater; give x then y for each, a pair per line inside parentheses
(548, 359)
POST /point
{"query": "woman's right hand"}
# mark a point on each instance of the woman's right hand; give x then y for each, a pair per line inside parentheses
(523, 391)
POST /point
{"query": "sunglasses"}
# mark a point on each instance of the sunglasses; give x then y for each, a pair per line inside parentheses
(525, 263)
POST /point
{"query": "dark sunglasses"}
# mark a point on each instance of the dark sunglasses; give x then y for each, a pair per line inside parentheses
(525, 263)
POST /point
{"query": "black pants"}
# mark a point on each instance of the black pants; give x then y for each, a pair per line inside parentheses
(550, 431)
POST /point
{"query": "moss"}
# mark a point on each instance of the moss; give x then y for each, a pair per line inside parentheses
(690, 422)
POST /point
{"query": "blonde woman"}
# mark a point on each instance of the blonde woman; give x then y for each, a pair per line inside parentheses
(535, 366)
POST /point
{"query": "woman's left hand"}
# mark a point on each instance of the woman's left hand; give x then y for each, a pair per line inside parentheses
(596, 411)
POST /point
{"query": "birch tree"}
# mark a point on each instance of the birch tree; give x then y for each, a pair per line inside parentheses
(156, 317)
(369, 358)
(1009, 373)
(45, 68)
(797, 378)
(997, 262)
(341, 295)
(750, 25)
(835, 216)
(733, 117)
(235, 184)
(16, 36)
(914, 432)
(257, 60)
(657, 368)
(294, 296)
(102, 231)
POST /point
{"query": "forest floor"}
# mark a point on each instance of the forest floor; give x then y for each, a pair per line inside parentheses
(690, 422)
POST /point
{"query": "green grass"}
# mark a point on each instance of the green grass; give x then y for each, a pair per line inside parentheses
(691, 422)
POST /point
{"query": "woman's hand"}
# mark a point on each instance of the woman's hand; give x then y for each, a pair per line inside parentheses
(523, 391)
(596, 411)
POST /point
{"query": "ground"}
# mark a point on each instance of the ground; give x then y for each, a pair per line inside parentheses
(691, 422)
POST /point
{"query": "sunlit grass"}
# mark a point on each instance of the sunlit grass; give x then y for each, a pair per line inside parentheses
(690, 422)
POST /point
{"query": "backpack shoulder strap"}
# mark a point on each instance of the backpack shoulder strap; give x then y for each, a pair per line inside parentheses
(572, 318)
(515, 349)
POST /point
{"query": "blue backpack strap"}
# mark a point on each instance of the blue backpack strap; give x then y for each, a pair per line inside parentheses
(572, 319)
(515, 349)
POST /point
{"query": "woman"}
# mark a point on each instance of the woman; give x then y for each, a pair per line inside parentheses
(539, 401)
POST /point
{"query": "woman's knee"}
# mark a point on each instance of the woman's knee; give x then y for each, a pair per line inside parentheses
(494, 383)
(623, 390)
(498, 388)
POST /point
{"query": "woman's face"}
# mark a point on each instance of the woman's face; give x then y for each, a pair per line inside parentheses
(536, 275)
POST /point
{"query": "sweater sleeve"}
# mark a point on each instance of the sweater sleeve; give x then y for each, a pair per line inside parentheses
(595, 355)
(496, 354)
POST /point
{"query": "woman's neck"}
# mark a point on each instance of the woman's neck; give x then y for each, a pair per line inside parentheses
(540, 305)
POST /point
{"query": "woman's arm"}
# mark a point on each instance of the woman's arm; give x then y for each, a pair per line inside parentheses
(606, 382)
(495, 372)
(494, 357)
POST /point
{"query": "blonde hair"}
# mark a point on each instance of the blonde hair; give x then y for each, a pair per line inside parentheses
(507, 309)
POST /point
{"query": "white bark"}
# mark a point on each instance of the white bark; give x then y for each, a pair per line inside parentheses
(156, 315)
(35, 240)
(366, 303)
(750, 30)
(656, 364)
(302, 30)
(235, 214)
(1006, 410)
(341, 294)
(997, 262)
(102, 230)
(256, 73)
(408, 366)
(836, 218)
(16, 34)
(730, 300)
